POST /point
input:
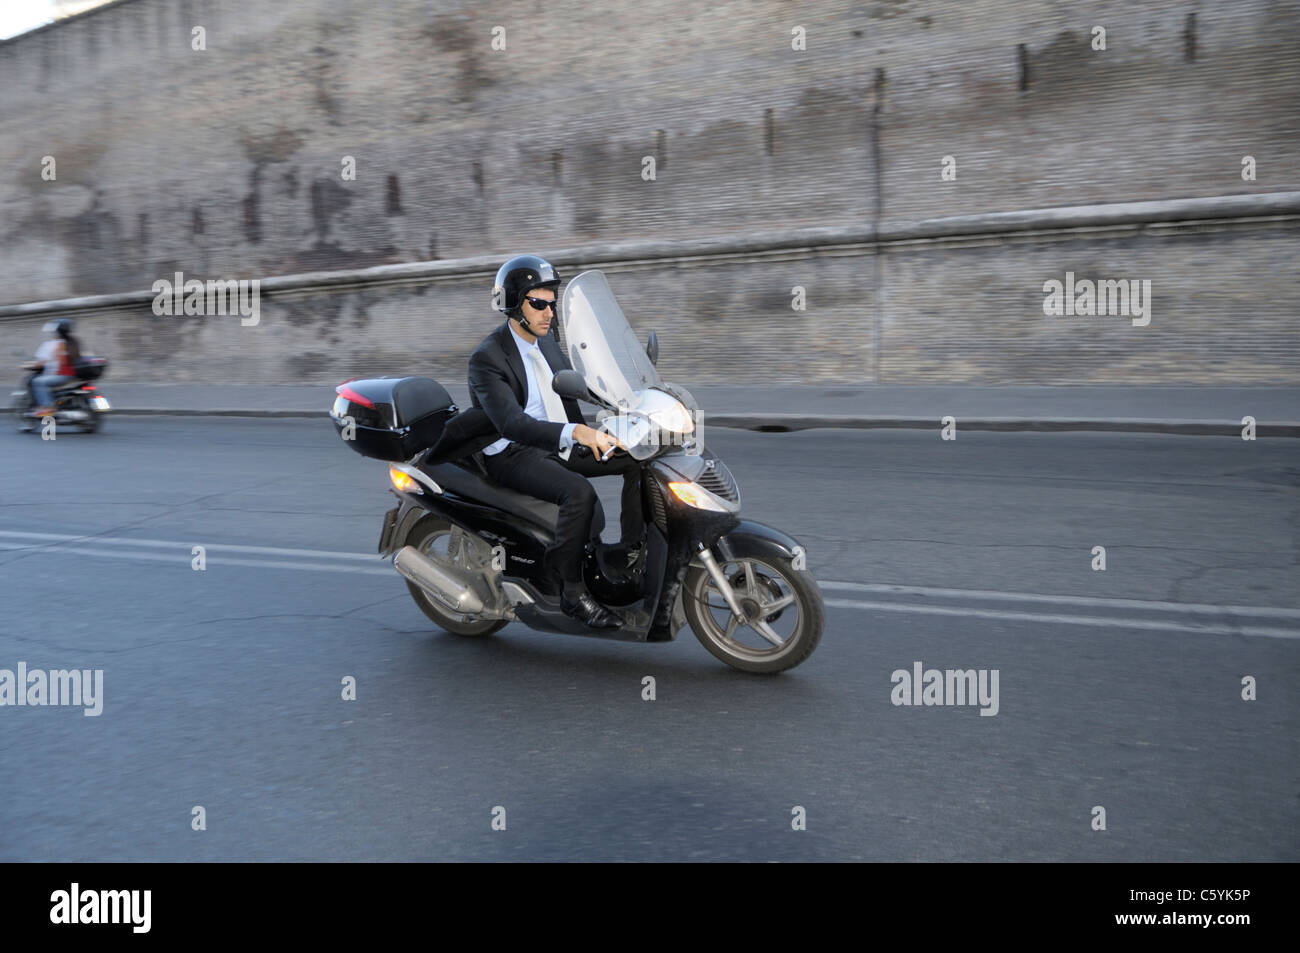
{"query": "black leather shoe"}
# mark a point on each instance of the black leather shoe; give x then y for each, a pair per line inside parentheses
(587, 610)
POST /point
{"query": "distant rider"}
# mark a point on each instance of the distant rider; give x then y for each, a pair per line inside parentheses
(56, 358)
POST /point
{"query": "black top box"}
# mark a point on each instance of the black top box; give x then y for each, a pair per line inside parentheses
(391, 418)
(90, 368)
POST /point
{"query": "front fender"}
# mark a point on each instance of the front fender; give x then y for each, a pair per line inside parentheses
(756, 539)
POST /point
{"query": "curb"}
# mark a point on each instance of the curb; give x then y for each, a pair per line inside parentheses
(154, 412)
(783, 423)
(788, 423)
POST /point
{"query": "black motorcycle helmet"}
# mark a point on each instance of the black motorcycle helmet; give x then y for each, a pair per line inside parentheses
(62, 327)
(516, 278)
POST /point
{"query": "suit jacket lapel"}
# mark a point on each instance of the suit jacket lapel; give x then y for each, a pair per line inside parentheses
(515, 362)
(559, 361)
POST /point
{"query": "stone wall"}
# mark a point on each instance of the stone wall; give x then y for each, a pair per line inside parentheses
(227, 162)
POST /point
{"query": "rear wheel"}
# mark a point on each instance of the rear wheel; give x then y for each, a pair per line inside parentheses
(93, 420)
(782, 611)
(438, 540)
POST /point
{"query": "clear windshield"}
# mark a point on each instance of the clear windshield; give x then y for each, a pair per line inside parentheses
(602, 346)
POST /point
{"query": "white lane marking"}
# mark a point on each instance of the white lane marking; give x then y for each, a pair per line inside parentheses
(183, 558)
(1114, 622)
(1151, 605)
(213, 547)
(58, 542)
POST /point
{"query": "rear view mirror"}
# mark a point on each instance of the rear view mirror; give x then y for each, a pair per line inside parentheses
(652, 348)
(569, 383)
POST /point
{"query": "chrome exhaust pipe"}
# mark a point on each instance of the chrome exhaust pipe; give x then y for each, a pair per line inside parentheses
(450, 589)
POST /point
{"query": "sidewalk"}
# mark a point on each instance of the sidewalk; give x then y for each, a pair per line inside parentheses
(1156, 409)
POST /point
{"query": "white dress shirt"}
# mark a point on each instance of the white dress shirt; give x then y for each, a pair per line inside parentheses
(534, 407)
(48, 354)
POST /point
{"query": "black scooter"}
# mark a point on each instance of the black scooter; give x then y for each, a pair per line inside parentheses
(472, 551)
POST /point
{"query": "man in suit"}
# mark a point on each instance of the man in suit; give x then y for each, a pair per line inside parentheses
(546, 450)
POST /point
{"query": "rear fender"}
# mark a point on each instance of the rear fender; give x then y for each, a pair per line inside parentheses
(399, 522)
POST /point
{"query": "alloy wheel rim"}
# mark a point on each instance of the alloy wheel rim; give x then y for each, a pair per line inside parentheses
(756, 594)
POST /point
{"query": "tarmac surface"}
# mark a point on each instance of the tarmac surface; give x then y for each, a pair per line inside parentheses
(1120, 689)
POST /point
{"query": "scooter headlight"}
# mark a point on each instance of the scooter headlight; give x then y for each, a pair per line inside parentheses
(692, 494)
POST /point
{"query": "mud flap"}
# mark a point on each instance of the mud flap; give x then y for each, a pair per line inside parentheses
(386, 532)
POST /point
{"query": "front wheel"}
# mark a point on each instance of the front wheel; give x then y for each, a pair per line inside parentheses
(21, 405)
(782, 611)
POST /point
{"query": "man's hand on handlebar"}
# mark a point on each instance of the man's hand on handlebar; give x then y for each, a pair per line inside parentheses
(598, 442)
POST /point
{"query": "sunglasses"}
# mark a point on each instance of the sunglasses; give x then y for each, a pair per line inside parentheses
(541, 304)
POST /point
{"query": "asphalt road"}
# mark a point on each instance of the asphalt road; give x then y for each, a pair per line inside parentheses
(1119, 689)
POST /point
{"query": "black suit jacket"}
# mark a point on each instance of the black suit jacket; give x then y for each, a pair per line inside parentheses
(498, 385)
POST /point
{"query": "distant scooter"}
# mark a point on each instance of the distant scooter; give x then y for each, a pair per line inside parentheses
(77, 402)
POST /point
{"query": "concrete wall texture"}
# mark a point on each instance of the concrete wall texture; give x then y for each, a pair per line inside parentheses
(227, 162)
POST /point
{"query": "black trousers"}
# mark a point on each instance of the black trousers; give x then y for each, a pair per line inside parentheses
(563, 482)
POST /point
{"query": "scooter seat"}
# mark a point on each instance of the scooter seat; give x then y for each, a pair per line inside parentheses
(464, 483)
